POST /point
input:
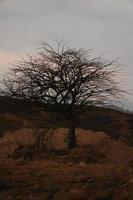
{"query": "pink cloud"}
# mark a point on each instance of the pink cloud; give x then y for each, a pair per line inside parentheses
(6, 57)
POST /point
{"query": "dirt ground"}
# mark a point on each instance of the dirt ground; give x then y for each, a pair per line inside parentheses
(100, 168)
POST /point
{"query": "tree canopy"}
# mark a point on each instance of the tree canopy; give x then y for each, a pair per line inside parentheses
(66, 77)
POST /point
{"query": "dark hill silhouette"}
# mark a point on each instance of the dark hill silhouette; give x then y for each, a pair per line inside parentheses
(117, 124)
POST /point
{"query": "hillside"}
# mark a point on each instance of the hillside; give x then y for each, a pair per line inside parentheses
(99, 168)
(16, 114)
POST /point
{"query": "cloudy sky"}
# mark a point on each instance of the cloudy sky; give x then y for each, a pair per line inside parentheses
(105, 26)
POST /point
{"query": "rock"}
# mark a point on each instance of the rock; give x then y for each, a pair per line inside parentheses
(55, 139)
(82, 164)
(24, 136)
(70, 164)
(88, 137)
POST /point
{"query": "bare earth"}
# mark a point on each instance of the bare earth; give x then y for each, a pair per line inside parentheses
(100, 168)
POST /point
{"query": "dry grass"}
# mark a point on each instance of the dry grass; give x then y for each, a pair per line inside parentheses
(100, 168)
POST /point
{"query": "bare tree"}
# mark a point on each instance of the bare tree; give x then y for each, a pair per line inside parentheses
(65, 78)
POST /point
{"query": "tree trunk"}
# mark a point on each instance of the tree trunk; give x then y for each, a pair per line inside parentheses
(72, 138)
(39, 140)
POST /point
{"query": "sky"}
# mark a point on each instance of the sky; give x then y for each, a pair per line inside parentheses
(104, 26)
